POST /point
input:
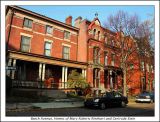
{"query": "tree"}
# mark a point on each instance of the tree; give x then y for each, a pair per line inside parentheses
(76, 79)
(127, 28)
(145, 41)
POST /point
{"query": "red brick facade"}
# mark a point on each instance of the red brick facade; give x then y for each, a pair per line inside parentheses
(87, 50)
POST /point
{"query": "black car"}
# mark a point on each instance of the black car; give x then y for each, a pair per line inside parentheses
(108, 99)
(145, 97)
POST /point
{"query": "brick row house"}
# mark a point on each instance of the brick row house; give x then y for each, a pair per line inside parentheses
(41, 48)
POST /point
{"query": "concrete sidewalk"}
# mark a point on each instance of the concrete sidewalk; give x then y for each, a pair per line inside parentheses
(58, 103)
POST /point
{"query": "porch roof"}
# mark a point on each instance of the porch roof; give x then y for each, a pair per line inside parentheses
(47, 60)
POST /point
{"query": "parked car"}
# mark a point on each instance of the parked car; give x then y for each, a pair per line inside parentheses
(108, 99)
(145, 97)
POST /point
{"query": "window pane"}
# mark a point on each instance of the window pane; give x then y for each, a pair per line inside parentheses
(47, 45)
(25, 48)
(47, 49)
(66, 35)
(25, 40)
(66, 52)
(47, 52)
(25, 44)
(49, 29)
(28, 23)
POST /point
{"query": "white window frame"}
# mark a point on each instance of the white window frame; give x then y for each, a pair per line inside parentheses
(48, 41)
(106, 59)
(65, 46)
(50, 27)
(68, 38)
(113, 60)
(29, 43)
(29, 20)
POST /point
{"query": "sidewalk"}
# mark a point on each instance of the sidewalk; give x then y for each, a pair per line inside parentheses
(58, 103)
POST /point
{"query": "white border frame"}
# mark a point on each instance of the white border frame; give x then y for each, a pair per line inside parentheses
(3, 3)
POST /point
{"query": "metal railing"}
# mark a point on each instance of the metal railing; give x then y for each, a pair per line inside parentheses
(37, 84)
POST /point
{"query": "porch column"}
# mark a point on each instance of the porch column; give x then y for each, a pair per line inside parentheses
(9, 64)
(40, 71)
(13, 71)
(43, 72)
(111, 82)
(66, 76)
(84, 73)
(63, 69)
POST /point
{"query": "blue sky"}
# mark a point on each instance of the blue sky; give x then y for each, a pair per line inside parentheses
(60, 12)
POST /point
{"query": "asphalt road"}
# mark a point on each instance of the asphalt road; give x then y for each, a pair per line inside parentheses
(133, 109)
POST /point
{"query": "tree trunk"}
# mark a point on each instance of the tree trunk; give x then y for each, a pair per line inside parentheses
(124, 83)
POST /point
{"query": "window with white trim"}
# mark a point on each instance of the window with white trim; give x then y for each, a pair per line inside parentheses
(96, 55)
(105, 58)
(28, 23)
(112, 59)
(25, 43)
(142, 66)
(47, 48)
(49, 29)
(66, 52)
(66, 35)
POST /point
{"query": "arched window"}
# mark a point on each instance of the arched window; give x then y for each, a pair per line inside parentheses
(98, 35)
(106, 39)
(112, 59)
(105, 58)
(112, 42)
(94, 33)
(96, 55)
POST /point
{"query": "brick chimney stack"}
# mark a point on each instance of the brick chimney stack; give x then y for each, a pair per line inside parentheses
(77, 21)
(69, 20)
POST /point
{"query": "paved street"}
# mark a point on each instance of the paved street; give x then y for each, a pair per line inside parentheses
(133, 109)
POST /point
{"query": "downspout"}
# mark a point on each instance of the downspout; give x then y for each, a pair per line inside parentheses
(8, 38)
(77, 46)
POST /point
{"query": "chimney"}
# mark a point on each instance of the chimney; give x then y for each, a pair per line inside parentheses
(77, 21)
(69, 20)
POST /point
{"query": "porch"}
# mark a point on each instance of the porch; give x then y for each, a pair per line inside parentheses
(32, 72)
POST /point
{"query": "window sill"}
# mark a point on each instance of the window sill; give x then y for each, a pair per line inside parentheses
(68, 40)
(47, 34)
(27, 28)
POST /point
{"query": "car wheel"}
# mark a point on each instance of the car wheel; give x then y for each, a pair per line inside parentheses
(123, 104)
(102, 106)
(151, 101)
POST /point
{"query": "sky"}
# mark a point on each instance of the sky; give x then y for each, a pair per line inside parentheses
(60, 12)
